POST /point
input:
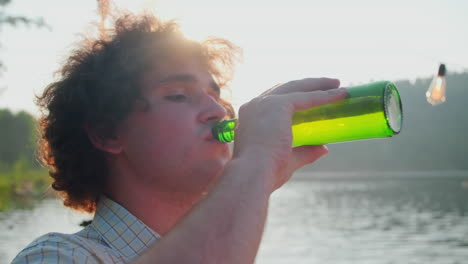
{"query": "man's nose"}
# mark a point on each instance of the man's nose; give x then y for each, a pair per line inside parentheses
(213, 111)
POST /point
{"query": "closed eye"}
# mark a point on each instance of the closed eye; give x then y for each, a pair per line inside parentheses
(176, 98)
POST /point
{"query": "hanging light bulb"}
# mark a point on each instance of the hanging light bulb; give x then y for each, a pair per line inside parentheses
(436, 93)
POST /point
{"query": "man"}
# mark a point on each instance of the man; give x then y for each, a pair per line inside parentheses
(127, 134)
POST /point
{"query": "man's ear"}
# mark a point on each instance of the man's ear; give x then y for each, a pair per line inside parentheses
(102, 140)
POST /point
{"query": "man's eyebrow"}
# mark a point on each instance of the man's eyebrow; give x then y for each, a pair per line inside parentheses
(186, 78)
(178, 78)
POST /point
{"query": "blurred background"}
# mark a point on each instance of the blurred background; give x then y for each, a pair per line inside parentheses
(397, 200)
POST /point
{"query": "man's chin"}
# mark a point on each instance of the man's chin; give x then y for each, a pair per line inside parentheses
(213, 175)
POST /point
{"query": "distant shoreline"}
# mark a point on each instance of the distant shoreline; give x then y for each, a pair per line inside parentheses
(379, 175)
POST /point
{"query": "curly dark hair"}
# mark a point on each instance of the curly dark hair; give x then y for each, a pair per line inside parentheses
(98, 86)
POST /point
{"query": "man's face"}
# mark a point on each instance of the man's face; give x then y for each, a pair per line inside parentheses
(169, 145)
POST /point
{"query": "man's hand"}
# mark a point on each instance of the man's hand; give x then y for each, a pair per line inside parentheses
(264, 130)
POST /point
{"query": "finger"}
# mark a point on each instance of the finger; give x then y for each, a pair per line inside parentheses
(305, 85)
(306, 100)
(271, 89)
(305, 155)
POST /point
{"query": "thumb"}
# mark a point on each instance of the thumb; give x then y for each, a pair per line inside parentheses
(305, 155)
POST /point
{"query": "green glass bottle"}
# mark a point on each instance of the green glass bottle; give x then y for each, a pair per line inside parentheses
(369, 111)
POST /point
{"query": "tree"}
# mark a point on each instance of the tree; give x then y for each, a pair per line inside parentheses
(17, 138)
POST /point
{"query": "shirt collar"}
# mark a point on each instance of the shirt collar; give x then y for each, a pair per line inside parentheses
(122, 230)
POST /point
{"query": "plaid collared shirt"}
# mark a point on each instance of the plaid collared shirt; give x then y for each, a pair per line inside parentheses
(114, 236)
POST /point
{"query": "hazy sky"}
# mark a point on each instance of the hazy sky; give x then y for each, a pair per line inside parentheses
(355, 41)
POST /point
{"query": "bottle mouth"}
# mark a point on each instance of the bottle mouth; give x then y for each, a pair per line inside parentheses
(393, 108)
(224, 130)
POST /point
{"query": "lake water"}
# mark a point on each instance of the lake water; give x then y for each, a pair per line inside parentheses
(332, 220)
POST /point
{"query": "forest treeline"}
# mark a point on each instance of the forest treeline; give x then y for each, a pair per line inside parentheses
(17, 138)
(21, 176)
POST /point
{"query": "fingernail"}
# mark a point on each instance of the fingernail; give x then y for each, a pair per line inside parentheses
(325, 150)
